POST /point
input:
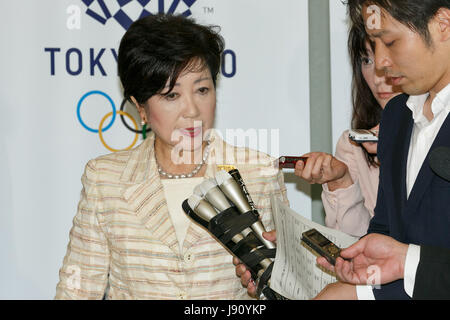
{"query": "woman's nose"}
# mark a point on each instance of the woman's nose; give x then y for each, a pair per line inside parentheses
(379, 77)
(191, 108)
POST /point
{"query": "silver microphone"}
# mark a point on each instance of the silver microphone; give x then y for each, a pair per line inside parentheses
(215, 196)
(235, 194)
(198, 191)
(206, 211)
(212, 193)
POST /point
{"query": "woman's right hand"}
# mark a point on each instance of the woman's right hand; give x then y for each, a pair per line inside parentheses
(323, 168)
(242, 271)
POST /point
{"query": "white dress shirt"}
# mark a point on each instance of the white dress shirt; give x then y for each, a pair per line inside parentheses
(423, 135)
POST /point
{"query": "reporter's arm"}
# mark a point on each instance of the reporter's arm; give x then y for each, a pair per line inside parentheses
(345, 210)
(344, 203)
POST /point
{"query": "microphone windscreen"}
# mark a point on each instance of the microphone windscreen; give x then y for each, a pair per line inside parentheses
(439, 161)
(222, 176)
(198, 191)
(194, 200)
(207, 185)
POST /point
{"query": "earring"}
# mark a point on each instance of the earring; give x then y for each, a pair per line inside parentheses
(144, 129)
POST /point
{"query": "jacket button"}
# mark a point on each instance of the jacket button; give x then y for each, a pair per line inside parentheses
(182, 295)
(188, 257)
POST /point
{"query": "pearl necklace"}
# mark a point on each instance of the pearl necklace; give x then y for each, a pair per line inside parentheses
(185, 175)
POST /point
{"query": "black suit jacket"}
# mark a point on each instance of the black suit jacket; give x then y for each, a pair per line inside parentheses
(423, 218)
(433, 274)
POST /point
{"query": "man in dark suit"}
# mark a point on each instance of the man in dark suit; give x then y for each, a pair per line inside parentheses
(413, 202)
(425, 270)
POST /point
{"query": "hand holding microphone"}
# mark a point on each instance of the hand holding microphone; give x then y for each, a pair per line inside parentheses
(323, 168)
(224, 207)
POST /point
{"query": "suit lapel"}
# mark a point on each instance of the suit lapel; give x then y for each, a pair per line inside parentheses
(404, 164)
(426, 175)
(396, 162)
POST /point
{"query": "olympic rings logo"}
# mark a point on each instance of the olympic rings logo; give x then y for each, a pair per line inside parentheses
(113, 115)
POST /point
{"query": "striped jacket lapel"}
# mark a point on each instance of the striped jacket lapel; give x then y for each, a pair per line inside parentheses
(145, 194)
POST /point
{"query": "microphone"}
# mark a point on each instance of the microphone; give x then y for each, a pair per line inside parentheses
(198, 191)
(206, 212)
(439, 161)
(211, 192)
(211, 201)
(235, 194)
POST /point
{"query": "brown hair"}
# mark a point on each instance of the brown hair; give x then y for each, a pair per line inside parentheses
(366, 109)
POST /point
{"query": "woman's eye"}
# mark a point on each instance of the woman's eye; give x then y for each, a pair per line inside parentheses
(171, 96)
(203, 90)
(367, 61)
(389, 44)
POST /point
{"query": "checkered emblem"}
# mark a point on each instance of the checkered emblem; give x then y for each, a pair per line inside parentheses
(125, 12)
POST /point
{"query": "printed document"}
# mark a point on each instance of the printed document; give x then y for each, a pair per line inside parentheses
(296, 275)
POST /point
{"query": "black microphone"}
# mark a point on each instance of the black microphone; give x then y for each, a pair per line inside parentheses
(439, 161)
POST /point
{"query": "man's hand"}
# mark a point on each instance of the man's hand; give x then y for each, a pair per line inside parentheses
(375, 259)
(244, 274)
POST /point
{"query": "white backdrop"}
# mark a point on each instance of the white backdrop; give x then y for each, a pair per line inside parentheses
(341, 72)
(54, 52)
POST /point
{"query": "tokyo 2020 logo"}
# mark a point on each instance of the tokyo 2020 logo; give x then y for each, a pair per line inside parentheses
(125, 12)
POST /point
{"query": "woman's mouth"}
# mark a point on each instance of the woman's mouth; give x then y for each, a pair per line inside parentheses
(191, 132)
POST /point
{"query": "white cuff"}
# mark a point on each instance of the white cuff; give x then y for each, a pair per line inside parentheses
(364, 293)
(411, 264)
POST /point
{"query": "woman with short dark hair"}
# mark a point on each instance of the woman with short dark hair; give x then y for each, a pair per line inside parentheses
(130, 238)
